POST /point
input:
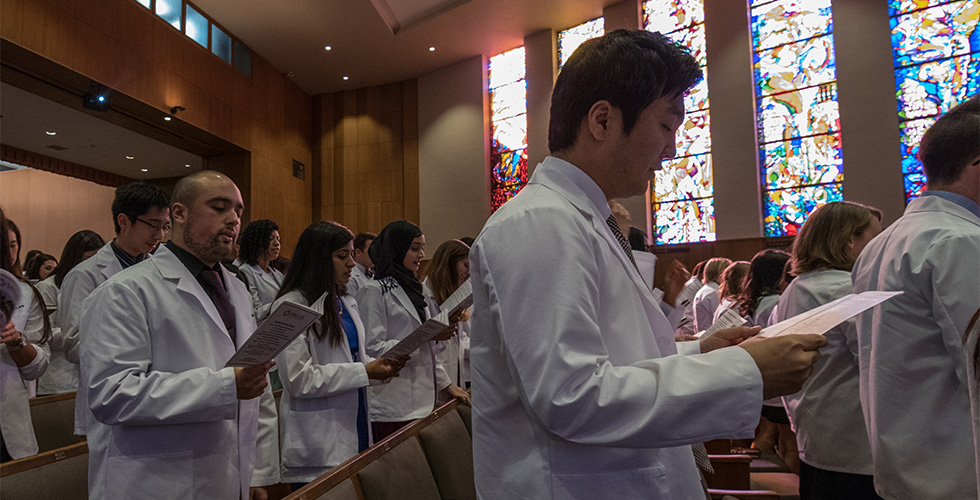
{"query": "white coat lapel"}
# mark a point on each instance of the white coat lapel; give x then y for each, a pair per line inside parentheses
(355, 315)
(402, 297)
(173, 270)
(108, 263)
(241, 300)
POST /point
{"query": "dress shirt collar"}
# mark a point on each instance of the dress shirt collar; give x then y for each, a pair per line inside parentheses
(192, 263)
(125, 259)
(960, 200)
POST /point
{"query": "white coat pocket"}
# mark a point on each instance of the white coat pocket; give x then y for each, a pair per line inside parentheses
(151, 473)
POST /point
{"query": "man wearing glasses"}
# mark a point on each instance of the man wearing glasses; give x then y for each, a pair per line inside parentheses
(141, 215)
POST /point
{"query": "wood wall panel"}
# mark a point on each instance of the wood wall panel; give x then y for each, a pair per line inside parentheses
(126, 47)
(366, 155)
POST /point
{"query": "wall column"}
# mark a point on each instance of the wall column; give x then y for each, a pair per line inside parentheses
(731, 90)
(541, 62)
(868, 109)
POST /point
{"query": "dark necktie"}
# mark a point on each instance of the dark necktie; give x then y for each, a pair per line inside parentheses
(219, 296)
(614, 227)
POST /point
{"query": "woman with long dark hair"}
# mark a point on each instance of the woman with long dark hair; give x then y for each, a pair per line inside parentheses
(62, 375)
(760, 292)
(259, 246)
(23, 358)
(834, 449)
(40, 267)
(450, 268)
(392, 306)
(324, 372)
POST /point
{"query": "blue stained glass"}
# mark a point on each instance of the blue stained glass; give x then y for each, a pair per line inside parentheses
(937, 32)
(796, 65)
(915, 184)
(786, 210)
(931, 88)
(508, 176)
(900, 6)
(910, 133)
(804, 112)
(684, 178)
(787, 21)
(684, 221)
(800, 162)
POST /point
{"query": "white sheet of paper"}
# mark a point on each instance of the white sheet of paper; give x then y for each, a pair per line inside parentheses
(459, 300)
(821, 319)
(646, 263)
(281, 327)
(728, 319)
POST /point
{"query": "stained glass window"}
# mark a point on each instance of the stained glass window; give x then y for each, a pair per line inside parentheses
(936, 49)
(683, 192)
(508, 119)
(796, 101)
(570, 39)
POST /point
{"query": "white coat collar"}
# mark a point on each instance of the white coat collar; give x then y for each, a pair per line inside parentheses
(581, 191)
(172, 269)
(106, 261)
(402, 297)
(940, 204)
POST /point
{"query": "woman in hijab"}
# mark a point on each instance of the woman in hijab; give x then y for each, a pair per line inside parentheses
(392, 305)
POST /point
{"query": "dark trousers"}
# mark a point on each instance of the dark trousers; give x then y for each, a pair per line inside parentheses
(382, 430)
(820, 484)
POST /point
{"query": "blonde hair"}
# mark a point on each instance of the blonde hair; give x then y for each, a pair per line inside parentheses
(824, 240)
(714, 268)
(731, 279)
(442, 276)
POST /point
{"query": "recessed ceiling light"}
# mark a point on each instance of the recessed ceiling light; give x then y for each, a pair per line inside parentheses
(130, 157)
(144, 170)
(50, 132)
(432, 49)
(328, 48)
(346, 78)
(167, 118)
(188, 165)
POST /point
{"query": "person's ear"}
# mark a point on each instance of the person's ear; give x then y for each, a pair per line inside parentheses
(123, 221)
(600, 118)
(178, 212)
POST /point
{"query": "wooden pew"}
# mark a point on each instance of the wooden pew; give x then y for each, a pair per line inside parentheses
(60, 474)
(388, 465)
(53, 418)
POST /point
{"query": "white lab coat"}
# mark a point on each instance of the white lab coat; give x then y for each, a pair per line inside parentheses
(15, 412)
(453, 355)
(263, 288)
(357, 279)
(723, 305)
(705, 303)
(578, 391)
(971, 338)
(914, 384)
(389, 317)
(826, 412)
(75, 288)
(318, 408)
(166, 421)
(61, 375)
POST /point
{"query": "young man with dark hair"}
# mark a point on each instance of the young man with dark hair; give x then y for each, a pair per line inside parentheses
(578, 388)
(363, 267)
(141, 216)
(914, 378)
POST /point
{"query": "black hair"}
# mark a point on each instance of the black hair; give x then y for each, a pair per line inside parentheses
(75, 249)
(950, 143)
(765, 271)
(135, 199)
(33, 269)
(255, 240)
(7, 225)
(360, 241)
(15, 267)
(468, 240)
(630, 69)
(311, 271)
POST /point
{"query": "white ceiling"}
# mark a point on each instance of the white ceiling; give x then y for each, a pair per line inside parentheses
(25, 119)
(292, 34)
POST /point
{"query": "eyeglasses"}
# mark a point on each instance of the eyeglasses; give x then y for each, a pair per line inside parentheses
(165, 228)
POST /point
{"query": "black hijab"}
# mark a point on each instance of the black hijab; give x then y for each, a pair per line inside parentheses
(387, 252)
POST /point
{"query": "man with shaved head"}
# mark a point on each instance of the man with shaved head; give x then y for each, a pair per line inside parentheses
(167, 419)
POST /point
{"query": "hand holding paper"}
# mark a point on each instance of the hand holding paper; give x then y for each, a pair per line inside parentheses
(439, 327)
(281, 327)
